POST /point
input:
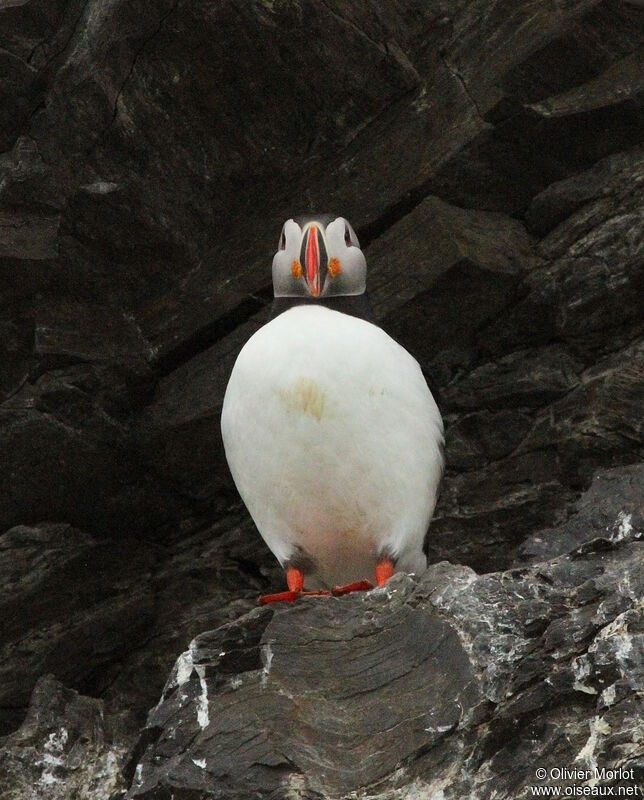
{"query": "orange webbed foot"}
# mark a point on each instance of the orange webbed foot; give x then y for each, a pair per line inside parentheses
(295, 581)
(356, 586)
(384, 570)
(279, 597)
(289, 596)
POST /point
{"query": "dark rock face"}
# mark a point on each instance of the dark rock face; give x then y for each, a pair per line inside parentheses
(490, 157)
(70, 605)
(107, 617)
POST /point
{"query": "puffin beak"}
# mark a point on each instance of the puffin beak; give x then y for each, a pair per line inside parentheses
(310, 257)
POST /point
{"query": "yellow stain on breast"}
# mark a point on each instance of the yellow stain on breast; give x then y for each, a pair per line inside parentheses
(304, 396)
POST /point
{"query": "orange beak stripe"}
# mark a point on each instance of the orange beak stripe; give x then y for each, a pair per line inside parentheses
(313, 261)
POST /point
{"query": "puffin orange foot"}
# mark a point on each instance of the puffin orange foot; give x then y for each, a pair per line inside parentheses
(295, 581)
(289, 597)
(384, 570)
(356, 586)
(279, 597)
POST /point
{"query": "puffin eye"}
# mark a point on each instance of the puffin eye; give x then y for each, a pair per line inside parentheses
(282, 244)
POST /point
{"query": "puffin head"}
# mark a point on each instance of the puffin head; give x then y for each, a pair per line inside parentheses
(318, 256)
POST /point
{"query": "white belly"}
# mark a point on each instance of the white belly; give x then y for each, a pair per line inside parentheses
(334, 442)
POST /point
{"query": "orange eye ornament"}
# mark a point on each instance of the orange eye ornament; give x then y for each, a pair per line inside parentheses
(296, 268)
(334, 267)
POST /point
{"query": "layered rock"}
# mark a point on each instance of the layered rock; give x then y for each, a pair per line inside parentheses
(454, 686)
(107, 616)
(63, 749)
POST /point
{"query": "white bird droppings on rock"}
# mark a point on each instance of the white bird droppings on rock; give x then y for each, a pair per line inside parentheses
(47, 779)
(101, 187)
(267, 658)
(295, 786)
(202, 701)
(53, 756)
(625, 526)
(184, 667)
(608, 695)
(587, 755)
(581, 670)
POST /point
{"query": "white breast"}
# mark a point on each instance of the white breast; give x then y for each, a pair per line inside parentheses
(334, 442)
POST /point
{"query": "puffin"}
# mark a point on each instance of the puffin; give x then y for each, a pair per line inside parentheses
(331, 432)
